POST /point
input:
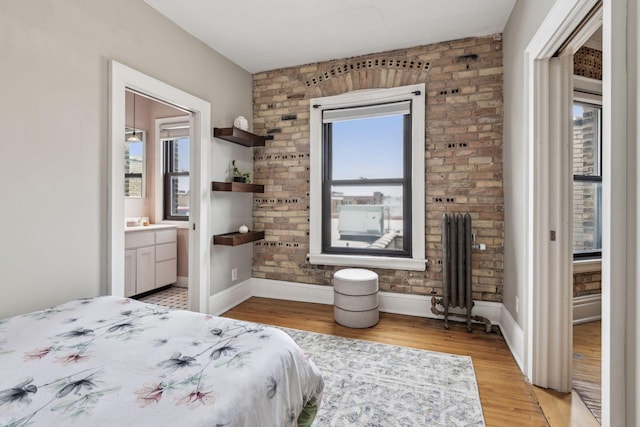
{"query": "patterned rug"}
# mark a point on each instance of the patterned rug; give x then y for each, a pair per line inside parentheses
(373, 384)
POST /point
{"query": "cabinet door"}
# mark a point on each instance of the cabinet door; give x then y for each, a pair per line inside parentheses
(129, 272)
(166, 272)
(145, 269)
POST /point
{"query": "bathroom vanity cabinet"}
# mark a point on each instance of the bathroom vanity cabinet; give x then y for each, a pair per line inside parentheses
(150, 258)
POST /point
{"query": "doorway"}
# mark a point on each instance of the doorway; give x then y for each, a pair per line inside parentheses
(157, 178)
(121, 79)
(547, 326)
(586, 161)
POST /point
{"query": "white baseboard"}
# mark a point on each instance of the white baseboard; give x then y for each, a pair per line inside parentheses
(407, 304)
(227, 299)
(513, 335)
(291, 291)
(587, 308)
(183, 282)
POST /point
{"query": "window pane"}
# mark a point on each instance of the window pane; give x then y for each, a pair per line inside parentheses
(586, 139)
(133, 187)
(368, 148)
(179, 196)
(367, 217)
(587, 216)
(133, 164)
(180, 161)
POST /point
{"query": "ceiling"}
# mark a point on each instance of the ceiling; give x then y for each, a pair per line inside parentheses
(261, 35)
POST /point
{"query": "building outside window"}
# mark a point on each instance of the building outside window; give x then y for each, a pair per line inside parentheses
(587, 180)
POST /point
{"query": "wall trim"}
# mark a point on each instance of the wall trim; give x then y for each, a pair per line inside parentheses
(513, 335)
(587, 266)
(390, 302)
(183, 282)
(292, 291)
(122, 77)
(546, 305)
(227, 299)
(587, 308)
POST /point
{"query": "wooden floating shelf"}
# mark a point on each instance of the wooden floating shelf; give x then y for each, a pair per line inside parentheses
(240, 187)
(234, 239)
(239, 136)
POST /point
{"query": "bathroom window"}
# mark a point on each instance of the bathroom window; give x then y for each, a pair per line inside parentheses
(587, 180)
(176, 178)
(134, 164)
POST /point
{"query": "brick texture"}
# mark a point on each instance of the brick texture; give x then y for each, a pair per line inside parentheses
(587, 284)
(587, 62)
(463, 156)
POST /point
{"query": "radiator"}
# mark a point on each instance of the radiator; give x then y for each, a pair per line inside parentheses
(457, 248)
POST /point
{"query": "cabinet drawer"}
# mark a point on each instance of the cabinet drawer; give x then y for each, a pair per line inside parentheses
(166, 236)
(166, 251)
(138, 239)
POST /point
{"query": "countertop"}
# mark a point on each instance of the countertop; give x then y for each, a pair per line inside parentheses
(149, 227)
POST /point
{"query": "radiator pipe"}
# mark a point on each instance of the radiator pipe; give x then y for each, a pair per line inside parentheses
(445, 269)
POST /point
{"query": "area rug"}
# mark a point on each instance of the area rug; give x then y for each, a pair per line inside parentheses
(373, 384)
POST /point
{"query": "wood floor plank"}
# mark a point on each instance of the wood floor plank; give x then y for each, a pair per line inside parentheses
(587, 349)
(507, 398)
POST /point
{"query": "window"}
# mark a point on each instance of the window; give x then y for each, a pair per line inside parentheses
(367, 179)
(134, 164)
(366, 186)
(175, 168)
(587, 179)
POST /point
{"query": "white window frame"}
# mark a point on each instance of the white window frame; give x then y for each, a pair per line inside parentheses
(417, 262)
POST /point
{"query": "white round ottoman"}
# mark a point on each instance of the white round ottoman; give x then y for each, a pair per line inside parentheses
(355, 297)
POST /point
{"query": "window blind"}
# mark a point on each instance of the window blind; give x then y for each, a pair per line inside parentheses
(367, 111)
(174, 130)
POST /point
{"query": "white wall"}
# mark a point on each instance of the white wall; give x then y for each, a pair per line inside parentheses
(633, 58)
(524, 21)
(54, 118)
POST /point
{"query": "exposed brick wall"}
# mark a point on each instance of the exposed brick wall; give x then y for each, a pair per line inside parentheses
(587, 283)
(587, 62)
(463, 156)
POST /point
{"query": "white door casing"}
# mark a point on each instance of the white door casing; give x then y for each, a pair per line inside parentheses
(544, 194)
(122, 77)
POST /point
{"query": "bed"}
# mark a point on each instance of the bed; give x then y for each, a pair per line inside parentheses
(115, 361)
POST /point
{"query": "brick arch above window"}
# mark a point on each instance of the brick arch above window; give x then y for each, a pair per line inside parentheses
(367, 73)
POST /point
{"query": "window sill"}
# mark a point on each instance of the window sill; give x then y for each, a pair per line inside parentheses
(390, 263)
(587, 265)
(178, 224)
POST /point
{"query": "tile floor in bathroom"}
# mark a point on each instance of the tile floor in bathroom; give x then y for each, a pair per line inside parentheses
(173, 296)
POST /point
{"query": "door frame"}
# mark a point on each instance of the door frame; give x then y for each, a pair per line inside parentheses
(120, 78)
(546, 323)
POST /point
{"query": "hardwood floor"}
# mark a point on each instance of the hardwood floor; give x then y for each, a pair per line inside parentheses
(507, 398)
(587, 349)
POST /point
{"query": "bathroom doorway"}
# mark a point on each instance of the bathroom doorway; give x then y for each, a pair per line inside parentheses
(123, 78)
(157, 189)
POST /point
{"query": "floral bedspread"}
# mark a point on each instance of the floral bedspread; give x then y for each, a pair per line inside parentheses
(111, 361)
